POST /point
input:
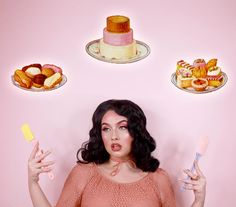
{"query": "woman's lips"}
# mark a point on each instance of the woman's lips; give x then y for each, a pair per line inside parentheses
(116, 147)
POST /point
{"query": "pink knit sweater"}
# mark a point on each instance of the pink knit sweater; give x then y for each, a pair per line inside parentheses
(86, 186)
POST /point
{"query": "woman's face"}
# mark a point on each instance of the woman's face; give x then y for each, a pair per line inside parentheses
(115, 135)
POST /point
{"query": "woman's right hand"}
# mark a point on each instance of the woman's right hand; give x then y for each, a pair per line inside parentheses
(37, 165)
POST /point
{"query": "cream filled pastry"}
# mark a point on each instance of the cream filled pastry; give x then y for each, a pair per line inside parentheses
(214, 76)
(213, 71)
(32, 71)
(52, 81)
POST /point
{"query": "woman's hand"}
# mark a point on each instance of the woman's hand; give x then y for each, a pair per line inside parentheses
(36, 165)
(197, 183)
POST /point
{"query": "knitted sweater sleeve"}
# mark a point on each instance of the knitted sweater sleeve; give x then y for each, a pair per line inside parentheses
(74, 186)
(165, 188)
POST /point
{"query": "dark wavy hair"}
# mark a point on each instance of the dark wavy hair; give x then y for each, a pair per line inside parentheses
(142, 145)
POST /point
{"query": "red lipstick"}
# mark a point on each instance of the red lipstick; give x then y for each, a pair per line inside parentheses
(116, 147)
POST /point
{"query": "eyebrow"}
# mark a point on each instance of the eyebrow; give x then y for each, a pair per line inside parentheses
(116, 123)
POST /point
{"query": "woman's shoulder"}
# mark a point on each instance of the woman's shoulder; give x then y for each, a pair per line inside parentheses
(164, 187)
(160, 172)
(161, 176)
(77, 179)
(81, 170)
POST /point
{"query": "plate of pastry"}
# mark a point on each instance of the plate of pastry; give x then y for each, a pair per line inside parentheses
(36, 77)
(199, 77)
(117, 44)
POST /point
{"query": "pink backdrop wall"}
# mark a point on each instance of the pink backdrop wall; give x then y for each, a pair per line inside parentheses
(57, 32)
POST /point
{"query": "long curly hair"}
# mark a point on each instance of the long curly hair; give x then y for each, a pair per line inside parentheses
(142, 145)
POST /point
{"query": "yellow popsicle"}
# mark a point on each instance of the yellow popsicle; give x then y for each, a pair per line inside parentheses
(28, 135)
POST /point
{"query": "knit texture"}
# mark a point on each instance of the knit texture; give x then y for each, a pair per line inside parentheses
(86, 186)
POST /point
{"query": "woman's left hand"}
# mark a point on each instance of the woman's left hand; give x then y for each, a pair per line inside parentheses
(197, 183)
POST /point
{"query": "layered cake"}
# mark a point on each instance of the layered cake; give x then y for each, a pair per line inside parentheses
(184, 79)
(117, 41)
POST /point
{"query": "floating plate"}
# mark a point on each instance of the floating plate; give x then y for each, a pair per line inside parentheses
(143, 50)
(34, 89)
(207, 90)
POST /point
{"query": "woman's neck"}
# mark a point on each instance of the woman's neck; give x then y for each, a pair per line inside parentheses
(116, 162)
(119, 159)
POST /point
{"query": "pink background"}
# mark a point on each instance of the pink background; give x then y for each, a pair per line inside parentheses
(57, 32)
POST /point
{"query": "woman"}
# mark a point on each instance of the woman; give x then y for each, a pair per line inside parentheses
(115, 167)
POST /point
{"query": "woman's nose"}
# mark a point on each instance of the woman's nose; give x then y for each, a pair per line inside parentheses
(114, 136)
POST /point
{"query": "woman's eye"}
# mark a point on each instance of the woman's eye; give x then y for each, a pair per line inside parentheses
(123, 127)
(105, 129)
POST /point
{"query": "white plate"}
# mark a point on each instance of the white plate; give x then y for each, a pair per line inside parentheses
(34, 89)
(207, 90)
(143, 50)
